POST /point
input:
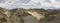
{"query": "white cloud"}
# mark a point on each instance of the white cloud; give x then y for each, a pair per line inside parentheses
(10, 4)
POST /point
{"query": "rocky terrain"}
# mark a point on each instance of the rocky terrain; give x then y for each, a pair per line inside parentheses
(29, 16)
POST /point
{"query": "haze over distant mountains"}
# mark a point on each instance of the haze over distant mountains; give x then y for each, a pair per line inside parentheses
(46, 4)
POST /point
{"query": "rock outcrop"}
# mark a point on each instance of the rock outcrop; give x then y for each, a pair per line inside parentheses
(29, 16)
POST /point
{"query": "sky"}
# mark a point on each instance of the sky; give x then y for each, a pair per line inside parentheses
(45, 4)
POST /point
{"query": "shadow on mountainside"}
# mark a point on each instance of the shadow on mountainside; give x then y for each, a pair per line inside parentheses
(20, 16)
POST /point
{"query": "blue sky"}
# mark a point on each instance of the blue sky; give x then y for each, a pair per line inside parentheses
(25, 1)
(46, 4)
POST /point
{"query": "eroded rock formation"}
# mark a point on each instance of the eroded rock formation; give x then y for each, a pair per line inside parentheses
(29, 16)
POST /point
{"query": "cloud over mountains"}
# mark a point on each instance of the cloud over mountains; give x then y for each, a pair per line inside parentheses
(46, 4)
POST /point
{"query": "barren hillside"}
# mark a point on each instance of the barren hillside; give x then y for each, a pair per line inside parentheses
(29, 16)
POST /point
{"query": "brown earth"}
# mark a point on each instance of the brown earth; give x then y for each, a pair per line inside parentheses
(21, 16)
